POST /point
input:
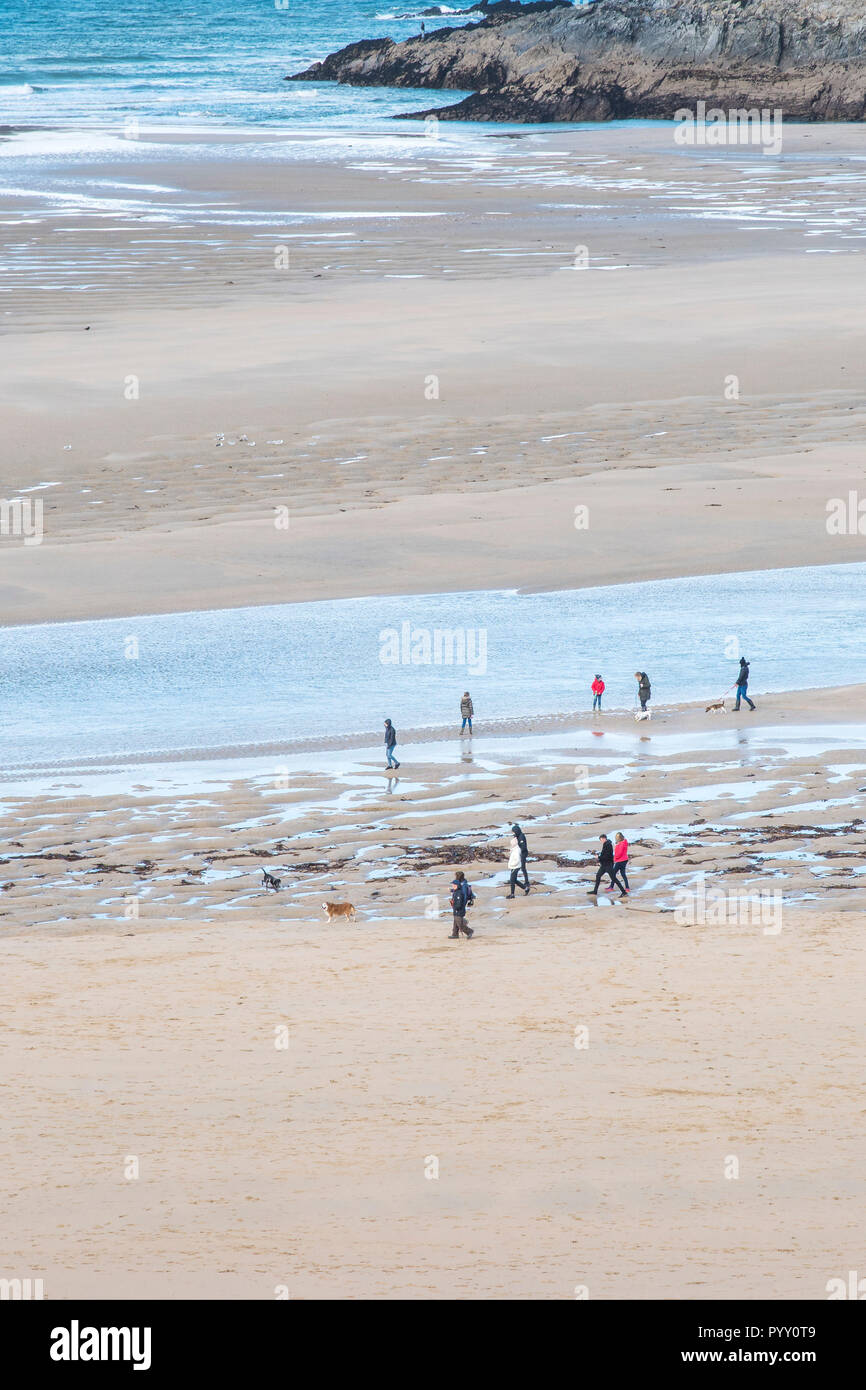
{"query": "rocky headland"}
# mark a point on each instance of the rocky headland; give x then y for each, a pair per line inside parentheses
(615, 59)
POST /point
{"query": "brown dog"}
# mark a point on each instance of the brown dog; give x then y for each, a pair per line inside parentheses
(718, 705)
(333, 910)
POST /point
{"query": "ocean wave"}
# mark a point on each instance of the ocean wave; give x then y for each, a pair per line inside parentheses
(442, 11)
(18, 89)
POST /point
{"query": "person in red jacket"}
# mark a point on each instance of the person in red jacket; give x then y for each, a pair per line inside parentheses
(597, 692)
(620, 860)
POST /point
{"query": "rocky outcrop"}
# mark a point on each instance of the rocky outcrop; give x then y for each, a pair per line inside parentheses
(630, 58)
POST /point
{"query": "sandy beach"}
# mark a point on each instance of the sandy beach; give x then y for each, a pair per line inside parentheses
(212, 1092)
(700, 1140)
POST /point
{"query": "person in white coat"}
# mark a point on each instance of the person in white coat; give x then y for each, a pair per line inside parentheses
(516, 865)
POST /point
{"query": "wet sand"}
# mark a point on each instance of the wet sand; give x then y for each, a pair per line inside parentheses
(399, 366)
(756, 803)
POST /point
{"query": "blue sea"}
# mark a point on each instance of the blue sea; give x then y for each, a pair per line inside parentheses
(194, 62)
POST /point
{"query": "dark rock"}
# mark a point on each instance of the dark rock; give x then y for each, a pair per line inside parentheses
(629, 58)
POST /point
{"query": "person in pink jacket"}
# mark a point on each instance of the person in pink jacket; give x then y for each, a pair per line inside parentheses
(597, 692)
(620, 860)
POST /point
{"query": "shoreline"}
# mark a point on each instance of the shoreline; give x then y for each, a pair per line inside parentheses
(762, 811)
(685, 718)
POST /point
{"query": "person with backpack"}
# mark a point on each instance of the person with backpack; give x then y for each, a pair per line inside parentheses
(597, 692)
(462, 898)
(620, 864)
(390, 744)
(605, 864)
(743, 684)
(467, 711)
(644, 691)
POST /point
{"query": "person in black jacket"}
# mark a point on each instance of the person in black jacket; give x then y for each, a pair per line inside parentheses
(524, 850)
(743, 684)
(605, 863)
(390, 744)
(462, 898)
(643, 688)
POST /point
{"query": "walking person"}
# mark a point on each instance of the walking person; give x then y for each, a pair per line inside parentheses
(743, 684)
(462, 898)
(515, 862)
(524, 851)
(390, 744)
(644, 691)
(605, 864)
(597, 692)
(620, 864)
(466, 709)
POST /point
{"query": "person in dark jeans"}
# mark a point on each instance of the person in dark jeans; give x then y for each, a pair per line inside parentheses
(620, 864)
(467, 710)
(524, 851)
(390, 744)
(515, 865)
(643, 688)
(462, 898)
(605, 864)
(743, 684)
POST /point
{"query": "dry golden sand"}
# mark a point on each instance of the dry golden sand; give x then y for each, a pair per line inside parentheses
(558, 1167)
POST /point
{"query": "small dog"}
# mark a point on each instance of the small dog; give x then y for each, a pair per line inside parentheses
(333, 910)
(644, 714)
(269, 881)
(717, 707)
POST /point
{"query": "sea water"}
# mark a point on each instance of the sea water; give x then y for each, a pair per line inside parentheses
(98, 63)
(247, 678)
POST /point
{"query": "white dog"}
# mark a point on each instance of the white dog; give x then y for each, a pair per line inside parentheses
(644, 714)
